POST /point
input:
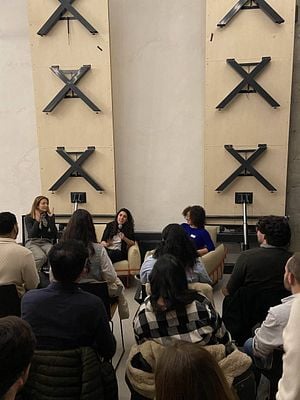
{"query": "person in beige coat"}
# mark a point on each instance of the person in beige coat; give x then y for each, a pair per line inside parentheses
(17, 265)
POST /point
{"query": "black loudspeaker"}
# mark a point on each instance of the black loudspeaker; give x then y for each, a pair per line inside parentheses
(78, 197)
(243, 197)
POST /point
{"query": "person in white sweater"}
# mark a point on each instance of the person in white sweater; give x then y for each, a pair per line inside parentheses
(17, 265)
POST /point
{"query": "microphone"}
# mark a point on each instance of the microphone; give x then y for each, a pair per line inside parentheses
(120, 226)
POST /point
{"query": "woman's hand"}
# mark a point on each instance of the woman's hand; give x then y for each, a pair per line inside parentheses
(129, 242)
(104, 243)
(203, 251)
(50, 213)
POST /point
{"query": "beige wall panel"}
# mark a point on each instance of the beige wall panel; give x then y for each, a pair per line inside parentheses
(272, 165)
(72, 124)
(251, 33)
(98, 166)
(80, 45)
(248, 119)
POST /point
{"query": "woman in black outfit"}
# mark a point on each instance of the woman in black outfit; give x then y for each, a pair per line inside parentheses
(118, 236)
(41, 230)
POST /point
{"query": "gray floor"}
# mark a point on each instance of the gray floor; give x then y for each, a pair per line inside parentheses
(124, 393)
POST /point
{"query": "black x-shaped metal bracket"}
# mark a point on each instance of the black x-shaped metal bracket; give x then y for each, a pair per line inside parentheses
(65, 5)
(242, 4)
(75, 169)
(249, 81)
(70, 90)
(246, 168)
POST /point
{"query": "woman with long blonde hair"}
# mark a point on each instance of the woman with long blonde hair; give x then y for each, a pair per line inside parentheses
(41, 230)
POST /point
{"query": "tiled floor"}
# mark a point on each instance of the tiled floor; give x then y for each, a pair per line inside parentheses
(124, 393)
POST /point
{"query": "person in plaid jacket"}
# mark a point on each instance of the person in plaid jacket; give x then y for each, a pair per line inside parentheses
(173, 311)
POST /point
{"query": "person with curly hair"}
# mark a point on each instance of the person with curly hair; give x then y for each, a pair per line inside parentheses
(257, 279)
(263, 266)
(194, 227)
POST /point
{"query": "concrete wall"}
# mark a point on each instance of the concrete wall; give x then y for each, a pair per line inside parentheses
(293, 186)
(19, 163)
(158, 75)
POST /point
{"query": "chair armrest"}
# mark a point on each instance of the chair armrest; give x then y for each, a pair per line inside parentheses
(213, 231)
(134, 257)
(214, 262)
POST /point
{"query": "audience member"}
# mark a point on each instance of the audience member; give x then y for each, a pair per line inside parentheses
(118, 236)
(176, 242)
(63, 316)
(174, 311)
(100, 268)
(263, 267)
(41, 230)
(17, 264)
(195, 218)
(17, 345)
(195, 371)
(256, 283)
(269, 336)
(289, 385)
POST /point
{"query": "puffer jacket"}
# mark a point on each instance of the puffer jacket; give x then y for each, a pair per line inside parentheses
(75, 374)
(141, 378)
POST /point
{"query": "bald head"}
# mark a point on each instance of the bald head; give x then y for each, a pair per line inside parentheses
(292, 273)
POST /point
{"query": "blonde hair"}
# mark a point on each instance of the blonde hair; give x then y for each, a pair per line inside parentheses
(36, 203)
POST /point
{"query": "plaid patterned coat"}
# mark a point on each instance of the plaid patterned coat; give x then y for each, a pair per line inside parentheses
(197, 322)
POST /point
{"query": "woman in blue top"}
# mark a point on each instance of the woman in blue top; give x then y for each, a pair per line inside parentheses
(195, 218)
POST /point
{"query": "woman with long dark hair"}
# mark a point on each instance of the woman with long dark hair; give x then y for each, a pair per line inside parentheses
(41, 230)
(195, 371)
(81, 227)
(175, 241)
(194, 227)
(173, 311)
(118, 236)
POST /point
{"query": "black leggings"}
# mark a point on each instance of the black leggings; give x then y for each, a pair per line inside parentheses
(115, 255)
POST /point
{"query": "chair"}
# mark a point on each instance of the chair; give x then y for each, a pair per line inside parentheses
(214, 263)
(214, 260)
(131, 266)
(100, 290)
(128, 267)
(10, 303)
